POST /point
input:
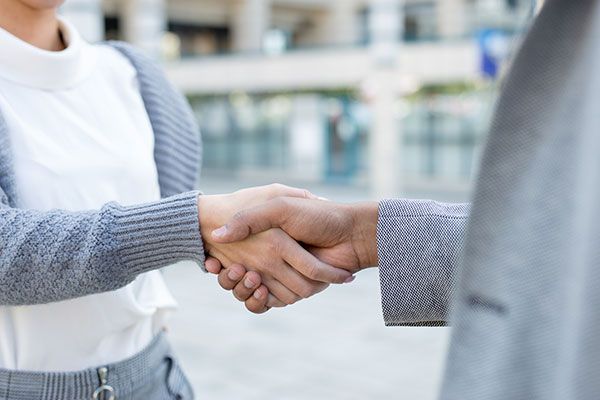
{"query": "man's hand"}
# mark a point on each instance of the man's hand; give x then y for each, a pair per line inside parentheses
(341, 235)
(288, 270)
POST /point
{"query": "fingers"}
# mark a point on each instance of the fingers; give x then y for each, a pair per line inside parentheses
(230, 277)
(246, 286)
(258, 302)
(293, 285)
(281, 292)
(310, 266)
(296, 282)
(273, 301)
(213, 265)
(243, 283)
(282, 247)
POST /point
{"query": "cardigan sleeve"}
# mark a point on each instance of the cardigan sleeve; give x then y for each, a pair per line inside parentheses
(177, 138)
(419, 243)
(58, 255)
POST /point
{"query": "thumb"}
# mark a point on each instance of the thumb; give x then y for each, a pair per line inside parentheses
(246, 223)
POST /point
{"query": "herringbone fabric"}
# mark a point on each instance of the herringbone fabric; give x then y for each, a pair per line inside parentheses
(420, 243)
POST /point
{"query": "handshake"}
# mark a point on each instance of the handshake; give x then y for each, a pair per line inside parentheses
(274, 245)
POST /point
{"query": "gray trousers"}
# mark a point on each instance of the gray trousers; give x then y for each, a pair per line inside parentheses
(152, 374)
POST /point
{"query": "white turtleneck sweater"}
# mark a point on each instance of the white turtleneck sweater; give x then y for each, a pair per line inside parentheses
(80, 138)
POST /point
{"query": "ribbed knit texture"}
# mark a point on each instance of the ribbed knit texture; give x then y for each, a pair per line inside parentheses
(419, 248)
(58, 255)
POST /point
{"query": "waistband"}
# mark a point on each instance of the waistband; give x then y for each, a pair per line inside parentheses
(124, 377)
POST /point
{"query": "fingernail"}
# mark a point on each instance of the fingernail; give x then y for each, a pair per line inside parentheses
(218, 233)
(234, 275)
(248, 283)
(257, 294)
(350, 279)
(323, 198)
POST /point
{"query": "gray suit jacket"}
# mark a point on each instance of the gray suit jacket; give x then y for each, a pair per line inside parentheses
(523, 272)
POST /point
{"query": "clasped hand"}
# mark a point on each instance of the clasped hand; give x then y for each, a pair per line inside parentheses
(284, 244)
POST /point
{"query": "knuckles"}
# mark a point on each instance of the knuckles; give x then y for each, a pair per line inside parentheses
(276, 190)
(277, 187)
(275, 244)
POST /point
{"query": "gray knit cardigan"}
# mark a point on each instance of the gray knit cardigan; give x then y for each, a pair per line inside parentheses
(58, 255)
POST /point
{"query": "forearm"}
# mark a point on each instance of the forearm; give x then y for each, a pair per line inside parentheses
(419, 245)
(58, 255)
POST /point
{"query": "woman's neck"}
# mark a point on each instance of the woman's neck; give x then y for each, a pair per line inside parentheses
(38, 27)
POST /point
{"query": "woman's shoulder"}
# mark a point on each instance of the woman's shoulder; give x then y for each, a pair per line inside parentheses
(128, 59)
(134, 57)
(114, 64)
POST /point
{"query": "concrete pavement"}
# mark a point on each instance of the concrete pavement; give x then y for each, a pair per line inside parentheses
(333, 346)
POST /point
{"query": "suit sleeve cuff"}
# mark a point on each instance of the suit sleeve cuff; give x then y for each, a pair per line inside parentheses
(418, 244)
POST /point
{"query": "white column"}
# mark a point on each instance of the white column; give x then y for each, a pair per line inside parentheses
(385, 152)
(250, 20)
(452, 18)
(307, 137)
(87, 17)
(144, 24)
(341, 27)
(385, 144)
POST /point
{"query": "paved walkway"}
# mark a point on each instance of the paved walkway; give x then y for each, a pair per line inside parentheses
(332, 346)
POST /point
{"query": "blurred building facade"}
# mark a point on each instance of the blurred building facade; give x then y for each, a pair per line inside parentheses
(394, 92)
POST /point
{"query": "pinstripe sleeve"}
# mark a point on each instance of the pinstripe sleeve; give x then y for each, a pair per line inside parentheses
(419, 243)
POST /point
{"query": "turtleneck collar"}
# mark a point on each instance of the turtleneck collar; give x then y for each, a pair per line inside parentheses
(31, 66)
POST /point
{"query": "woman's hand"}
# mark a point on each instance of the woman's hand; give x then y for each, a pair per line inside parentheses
(246, 285)
(288, 270)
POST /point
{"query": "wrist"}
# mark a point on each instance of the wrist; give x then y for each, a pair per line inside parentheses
(210, 217)
(364, 233)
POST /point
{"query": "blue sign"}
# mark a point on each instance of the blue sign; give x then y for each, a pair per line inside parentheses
(494, 49)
